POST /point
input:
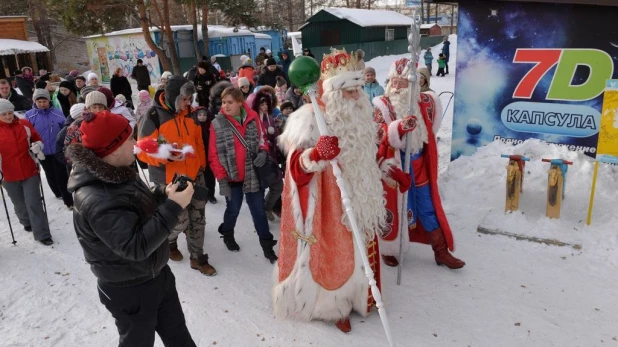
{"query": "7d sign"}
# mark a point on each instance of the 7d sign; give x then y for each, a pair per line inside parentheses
(567, 60)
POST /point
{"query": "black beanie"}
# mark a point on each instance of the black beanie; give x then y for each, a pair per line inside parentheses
(69, 85)
(271, 61)
(286, 104)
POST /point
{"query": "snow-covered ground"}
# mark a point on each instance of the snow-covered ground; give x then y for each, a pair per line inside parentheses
(511, 293)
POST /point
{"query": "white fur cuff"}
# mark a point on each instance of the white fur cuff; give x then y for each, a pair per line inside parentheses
(309, 165)
(393, 135)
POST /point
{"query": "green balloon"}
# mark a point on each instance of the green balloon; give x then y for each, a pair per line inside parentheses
(304, 71)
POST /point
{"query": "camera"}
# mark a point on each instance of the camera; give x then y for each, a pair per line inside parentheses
(199, 193)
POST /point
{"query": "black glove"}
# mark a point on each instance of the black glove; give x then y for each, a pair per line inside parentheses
(224, 188)
(260, 159)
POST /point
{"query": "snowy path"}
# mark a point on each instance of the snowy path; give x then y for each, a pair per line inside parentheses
(511, 293)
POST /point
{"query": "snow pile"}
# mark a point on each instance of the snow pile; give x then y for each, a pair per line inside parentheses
(12, 47)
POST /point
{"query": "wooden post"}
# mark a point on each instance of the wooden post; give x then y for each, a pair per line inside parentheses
(594, 185)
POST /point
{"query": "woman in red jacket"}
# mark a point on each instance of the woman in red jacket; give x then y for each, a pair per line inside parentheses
(20, 174)
(233, 166)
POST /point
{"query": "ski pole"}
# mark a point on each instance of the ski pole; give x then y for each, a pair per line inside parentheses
(6, 209)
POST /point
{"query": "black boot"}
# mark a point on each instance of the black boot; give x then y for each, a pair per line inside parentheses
(228, 239)
(267, 247)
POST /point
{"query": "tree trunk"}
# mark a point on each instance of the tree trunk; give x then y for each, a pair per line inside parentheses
(290, 16)
(205, 29)
(38, 15)
(144, 23)
(171, 43)
(358, 3)
(436, 14)
(193, 16)
(422, 12)
(452, 18)
(428, 13)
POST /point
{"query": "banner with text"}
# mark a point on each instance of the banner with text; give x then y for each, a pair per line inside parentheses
(531, 70)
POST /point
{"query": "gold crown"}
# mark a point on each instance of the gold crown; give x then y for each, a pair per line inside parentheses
(338, 61)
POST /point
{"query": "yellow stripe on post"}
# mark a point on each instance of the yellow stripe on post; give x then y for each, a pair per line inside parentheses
(594, 183)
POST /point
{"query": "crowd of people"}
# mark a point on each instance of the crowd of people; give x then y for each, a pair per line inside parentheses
(252, 134)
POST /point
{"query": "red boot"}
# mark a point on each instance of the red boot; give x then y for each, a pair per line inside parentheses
(440, 249)
(344, 325)
(390, 260)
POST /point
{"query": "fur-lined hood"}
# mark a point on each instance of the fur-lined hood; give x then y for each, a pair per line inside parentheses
(88, 168)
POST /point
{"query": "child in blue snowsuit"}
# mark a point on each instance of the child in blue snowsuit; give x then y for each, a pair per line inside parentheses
(428, 59)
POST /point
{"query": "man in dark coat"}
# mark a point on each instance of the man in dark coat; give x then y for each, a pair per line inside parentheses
(141, 75)
(123, 228)
(285, 65)
(25, 86)
(204, 80)
(269, 73)
(20, 102)
(446, 50)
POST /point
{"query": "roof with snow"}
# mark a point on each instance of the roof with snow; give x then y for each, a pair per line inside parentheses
(12, 47)
(214, 31)
(428, 26)
(368, 18)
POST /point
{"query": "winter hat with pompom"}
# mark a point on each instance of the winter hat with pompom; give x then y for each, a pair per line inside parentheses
(95, 98)
(104, 132)
(77, 110)
(144, 95)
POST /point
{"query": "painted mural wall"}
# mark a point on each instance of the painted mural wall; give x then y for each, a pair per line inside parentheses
(108, 53)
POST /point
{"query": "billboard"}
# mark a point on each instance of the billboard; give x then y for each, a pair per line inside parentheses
(532, 70)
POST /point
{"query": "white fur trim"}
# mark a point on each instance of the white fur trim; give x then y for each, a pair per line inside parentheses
(343, 80)
(309, 165)
(437, 121)
(393, 135)
(386, 113)
(392, 247)
(301, 130)
(299, 295)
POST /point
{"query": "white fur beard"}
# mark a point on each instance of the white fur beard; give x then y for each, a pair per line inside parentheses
(419, 136)
(351, 121)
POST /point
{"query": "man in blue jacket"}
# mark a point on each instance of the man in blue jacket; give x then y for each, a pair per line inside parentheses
(48, 121)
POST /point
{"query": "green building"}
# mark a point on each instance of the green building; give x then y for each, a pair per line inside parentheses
(377, 32)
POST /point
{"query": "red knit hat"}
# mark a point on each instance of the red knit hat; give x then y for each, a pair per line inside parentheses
(104, 132)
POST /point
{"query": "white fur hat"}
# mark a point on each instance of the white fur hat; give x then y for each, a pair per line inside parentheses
(77, 110)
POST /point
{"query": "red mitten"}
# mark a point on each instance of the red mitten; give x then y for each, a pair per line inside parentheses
(406, 125)
(404, 179)
(327, 148)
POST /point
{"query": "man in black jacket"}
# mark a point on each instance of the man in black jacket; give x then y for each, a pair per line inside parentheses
(123, 231)
(20, 102)
(268, 76)
(141, 75)
(26, 87)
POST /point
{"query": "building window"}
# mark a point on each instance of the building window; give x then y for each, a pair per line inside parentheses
(390, 35)
(329, 38)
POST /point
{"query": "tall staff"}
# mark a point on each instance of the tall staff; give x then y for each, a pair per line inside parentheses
(414, 47)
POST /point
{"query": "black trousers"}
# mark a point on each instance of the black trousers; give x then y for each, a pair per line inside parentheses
(141, 87)
(210, 182)
(150, 307)
(57, 178)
